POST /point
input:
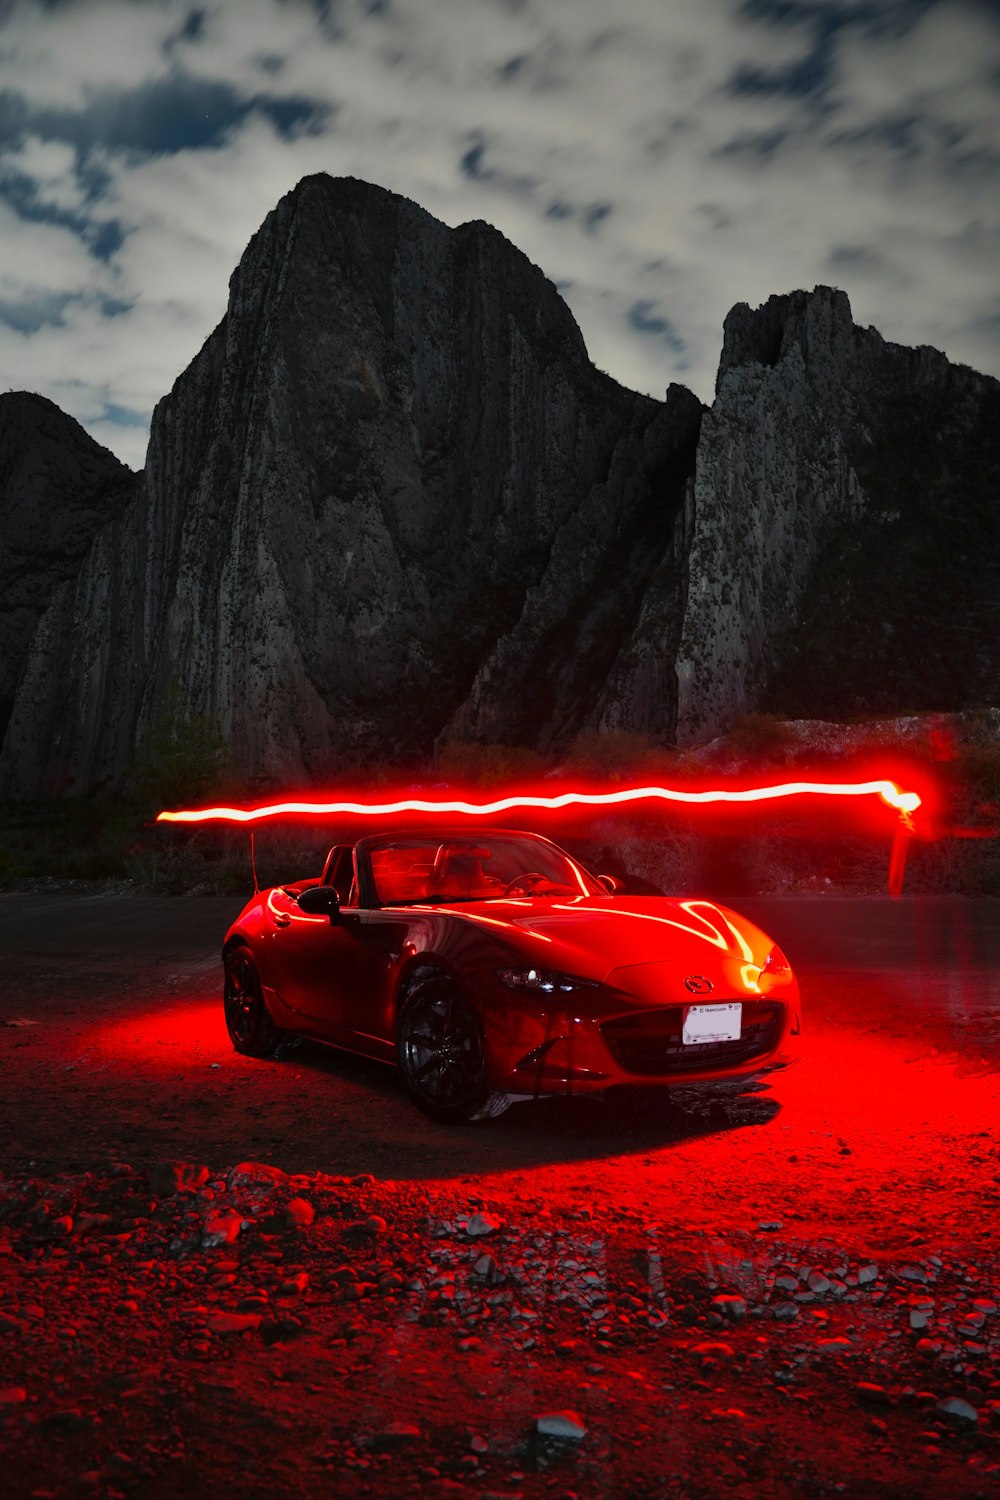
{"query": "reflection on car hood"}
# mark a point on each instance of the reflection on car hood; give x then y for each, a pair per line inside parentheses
(590, 936)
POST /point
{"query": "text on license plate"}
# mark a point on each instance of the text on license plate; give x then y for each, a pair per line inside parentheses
(712, 1023)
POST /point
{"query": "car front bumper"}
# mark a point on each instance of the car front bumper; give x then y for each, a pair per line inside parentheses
(566, 1053)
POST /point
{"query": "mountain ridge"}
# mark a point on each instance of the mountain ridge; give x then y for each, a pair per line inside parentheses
(391, 504)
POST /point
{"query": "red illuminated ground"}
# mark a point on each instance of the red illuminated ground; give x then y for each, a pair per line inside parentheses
(386, 1348)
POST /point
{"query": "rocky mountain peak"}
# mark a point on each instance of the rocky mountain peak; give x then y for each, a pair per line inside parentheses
(818, 323)
(391, 466)
(356, 233)
(38, 439)
(57, 487)
(846, 552)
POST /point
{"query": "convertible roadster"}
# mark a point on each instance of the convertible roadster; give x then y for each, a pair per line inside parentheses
(491, 967)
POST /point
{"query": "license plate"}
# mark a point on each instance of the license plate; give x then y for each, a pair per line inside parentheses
(712, 1023)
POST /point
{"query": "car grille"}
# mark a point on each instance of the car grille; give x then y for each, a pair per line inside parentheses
(649, 1043)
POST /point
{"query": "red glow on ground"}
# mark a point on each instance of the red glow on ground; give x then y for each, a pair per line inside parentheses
(894, 796)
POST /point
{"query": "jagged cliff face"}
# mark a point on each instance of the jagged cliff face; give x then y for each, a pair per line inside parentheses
(391, 499)
(845, 556)
(57, 488)
(391, 503)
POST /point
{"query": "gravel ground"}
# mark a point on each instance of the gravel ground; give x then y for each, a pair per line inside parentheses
(317, 1334)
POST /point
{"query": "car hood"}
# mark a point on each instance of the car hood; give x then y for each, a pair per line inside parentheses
(593, 936)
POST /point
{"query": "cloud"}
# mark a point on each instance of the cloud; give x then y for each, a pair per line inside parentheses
(49, 168)
(659, 166)
(58, 57)
(42, 259)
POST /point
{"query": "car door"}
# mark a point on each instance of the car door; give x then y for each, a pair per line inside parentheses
(313, 964)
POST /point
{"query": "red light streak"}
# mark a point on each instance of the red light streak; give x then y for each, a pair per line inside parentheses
(904, 802)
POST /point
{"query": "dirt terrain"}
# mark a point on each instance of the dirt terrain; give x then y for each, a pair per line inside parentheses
(279, 1278)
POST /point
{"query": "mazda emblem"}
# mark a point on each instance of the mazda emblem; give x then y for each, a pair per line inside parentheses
(698, 984)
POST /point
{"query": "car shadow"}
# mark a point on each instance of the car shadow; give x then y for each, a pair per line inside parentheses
(537, 1131)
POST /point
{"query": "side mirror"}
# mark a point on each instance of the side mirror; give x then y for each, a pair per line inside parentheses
(610, 884)
(320, 901)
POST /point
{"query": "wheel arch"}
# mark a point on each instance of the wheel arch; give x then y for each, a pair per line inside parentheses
(476, 1099)
(236, 940)
(421, 966)
(252, 1028)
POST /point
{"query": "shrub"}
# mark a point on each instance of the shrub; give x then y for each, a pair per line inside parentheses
(761, 739)
(620, 754)
(180, 761)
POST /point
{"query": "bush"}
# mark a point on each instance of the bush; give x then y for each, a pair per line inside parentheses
(180, 762)
(760, 739)
(619, 754)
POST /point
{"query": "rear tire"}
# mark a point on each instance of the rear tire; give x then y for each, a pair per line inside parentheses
(441, 1054)
(248, 1020)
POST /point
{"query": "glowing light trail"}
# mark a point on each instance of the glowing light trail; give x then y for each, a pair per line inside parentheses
(905, 803)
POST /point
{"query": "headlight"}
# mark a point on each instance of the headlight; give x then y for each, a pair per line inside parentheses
(544, 981)
(776, 964)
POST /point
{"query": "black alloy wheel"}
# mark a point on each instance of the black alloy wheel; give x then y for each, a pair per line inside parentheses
(440, 1051)
(248, 1020)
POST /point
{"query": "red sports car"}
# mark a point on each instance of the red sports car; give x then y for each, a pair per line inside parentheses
(493, 967)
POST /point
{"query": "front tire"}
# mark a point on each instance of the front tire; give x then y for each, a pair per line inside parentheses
(441, 1054)
(248, 1020)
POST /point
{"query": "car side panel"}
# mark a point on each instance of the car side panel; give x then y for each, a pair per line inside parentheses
(396, 941)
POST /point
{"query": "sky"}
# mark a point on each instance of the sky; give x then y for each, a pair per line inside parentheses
(660, 160)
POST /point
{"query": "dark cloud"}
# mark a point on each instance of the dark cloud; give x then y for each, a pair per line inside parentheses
(29, 314)
(591, 216)
(919, 138)
(105, 240)
(879, 17)
(173, 114)
(328, 16)
(126, 416)
(645, 317)
(855, 258)
(473, 164)
(103, 237)
(192, 29)
(762, 145)
(511, 68)
(823, 24)
(799, 79)
(596, 213)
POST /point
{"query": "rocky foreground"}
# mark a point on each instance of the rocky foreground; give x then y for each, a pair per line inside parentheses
(169, 1331)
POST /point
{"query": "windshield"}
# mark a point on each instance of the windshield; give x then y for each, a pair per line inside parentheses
(450, 869)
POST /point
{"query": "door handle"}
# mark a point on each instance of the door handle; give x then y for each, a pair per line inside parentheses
(280, 921)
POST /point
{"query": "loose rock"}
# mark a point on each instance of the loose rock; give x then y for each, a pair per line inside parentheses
(482, 1223)
(561, 1424)
(956, 1410)
(299, 1213)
